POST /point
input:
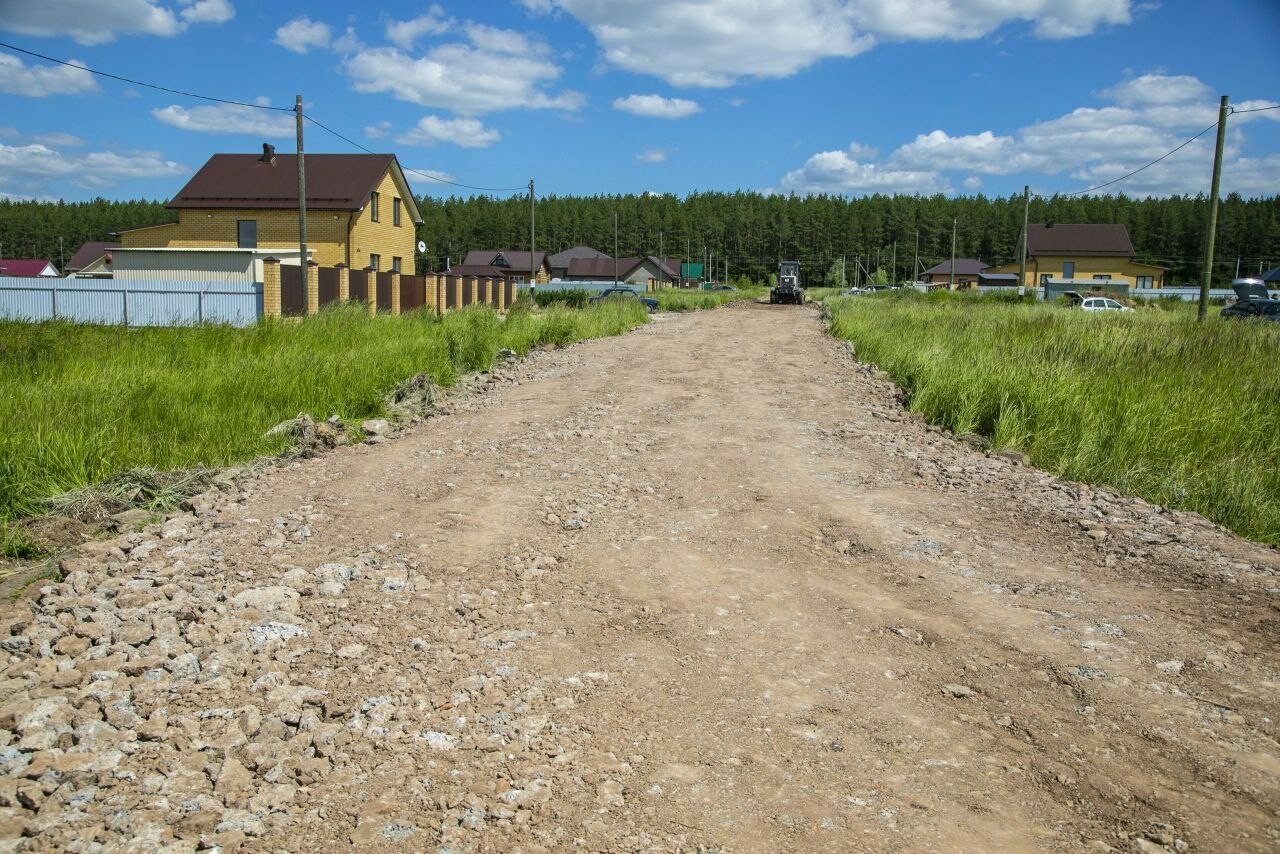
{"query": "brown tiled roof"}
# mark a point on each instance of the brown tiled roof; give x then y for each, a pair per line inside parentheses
(88, 253)
(1079, 239)
(562, 259)
(517, 261)
(340, 182)
(964, 267)
(600, 268)
(479, 270)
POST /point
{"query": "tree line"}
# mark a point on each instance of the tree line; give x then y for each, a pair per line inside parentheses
(749, 231)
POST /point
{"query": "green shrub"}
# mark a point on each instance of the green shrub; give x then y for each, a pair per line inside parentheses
(573, 297)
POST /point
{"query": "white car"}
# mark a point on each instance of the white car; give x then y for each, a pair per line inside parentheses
(1102, 304)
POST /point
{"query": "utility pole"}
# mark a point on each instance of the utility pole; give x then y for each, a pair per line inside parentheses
(532, 273)
(1022, 250)
(1237, 258)
(1203, 310)
(951, 282)
(662, 253)
(302, 207)
(915, 262)
(62, 258)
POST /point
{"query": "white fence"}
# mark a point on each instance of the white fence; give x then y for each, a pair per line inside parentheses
(135, 303)
(1187, 294)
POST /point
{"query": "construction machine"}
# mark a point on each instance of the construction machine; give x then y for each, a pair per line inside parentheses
(788, 288)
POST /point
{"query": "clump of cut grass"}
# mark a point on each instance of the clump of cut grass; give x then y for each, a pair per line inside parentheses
(87, 402)
(1150, 403)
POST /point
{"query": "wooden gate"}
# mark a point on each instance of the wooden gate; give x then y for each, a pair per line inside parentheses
(293, 291)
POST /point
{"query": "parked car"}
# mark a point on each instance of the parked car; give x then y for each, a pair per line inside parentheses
(1252, 301)
(1102, 304)
(650, 304)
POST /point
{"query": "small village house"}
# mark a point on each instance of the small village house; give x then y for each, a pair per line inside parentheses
(1075, 256)
(360, 210)
(507, 263)
(28, 268)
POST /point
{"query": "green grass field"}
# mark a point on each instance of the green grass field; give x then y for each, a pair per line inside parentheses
(1151, 403)
(678, 299)
(81, 403)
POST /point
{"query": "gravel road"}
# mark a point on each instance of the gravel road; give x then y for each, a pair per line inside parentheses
(708, 586)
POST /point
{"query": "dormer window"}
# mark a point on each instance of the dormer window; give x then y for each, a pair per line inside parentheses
(499, 260)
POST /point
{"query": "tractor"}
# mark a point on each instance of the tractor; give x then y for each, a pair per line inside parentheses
(788, 288)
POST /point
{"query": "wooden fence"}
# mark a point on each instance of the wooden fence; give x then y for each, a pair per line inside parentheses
(288, 293)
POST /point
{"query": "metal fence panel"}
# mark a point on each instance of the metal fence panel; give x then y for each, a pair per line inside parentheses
(328, 284)
(136, 303)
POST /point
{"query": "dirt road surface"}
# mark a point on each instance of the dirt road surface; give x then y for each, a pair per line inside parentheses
(708, 586)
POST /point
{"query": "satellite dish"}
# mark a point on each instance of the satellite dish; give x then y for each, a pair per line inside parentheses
(422, 246)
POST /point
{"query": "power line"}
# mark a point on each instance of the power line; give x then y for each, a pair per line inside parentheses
(185, 94)
(426, 175)
(146, 85)
(1152, 163)
(1256, 109)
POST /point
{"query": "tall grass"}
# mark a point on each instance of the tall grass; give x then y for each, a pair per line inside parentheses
(677, 299)
(80, 403)
(1150, 403)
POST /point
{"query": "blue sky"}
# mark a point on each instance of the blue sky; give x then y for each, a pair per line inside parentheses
(626, 96)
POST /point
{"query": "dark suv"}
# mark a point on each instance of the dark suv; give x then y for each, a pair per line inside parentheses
(1253, 301)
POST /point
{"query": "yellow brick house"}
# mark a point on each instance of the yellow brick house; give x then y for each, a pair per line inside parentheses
(360, 210)
(1078, 255)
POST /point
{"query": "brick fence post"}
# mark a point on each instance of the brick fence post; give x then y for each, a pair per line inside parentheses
(344, 282)
(395, 291)
(371, 288)
(270, 287)
(313, 287)
(500, 294)
(429, 291)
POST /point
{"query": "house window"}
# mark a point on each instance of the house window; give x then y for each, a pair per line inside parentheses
(247, 233)
(1044, 278)
(1068, 269)
(395, 212)
(395, 263)
(373, 206)
(375, 261)
(1145, 281)
(1104, 277)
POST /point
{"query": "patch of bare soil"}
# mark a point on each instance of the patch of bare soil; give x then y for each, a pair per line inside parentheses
(704, 586)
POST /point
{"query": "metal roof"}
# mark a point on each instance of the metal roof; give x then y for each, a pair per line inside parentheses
(1093, 239)
(334, 182)
(26, 267)
(964, 267)
(88, 253)
(517, 261)
(562, 259)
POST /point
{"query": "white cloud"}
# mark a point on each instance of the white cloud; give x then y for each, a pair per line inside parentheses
(1086, 147)
(229, 118)
(405, 33)
(496, 70)
(302, 34)
(41, 81)
(91, 22)
(653, 155)
(466, 133)
(29, 166)
(1158, 89)
(841, 172)
(58, 140)
(656, 106)
(972, 19)
(378, 131)
(712, 43)
(207, 11)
